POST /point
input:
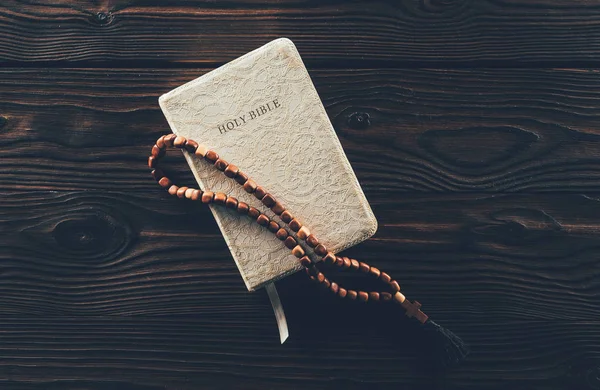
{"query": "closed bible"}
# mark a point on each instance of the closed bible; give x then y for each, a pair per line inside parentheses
(262, 113)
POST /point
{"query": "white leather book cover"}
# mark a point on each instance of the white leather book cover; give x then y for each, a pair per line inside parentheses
(262, 113)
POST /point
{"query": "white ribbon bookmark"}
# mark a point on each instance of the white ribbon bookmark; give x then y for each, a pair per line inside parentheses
(278, 310)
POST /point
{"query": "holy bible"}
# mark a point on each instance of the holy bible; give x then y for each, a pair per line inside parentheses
(262, 113)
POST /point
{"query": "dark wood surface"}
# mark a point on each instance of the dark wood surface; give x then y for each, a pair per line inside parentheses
(480, 157)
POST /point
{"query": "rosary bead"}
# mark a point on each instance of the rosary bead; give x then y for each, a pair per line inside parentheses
(273, 227)
(250, 186)
(352, 294)
(312, 240)
(220, 198)
(342, 292)
(363, 296)
(262, 220)
(160, 142)
(354, 264)
(326, 283)
(208, 196)
(321, 250)
(201, 151)
(231, 202)
(399, 297)
(157, 152)
(188, 193)
(395, 286)
(253, 212)
(295, 225)
(196, 195)
(221, 164)
(339, 261)
(303, 232)
(231, 170)
(374, 296)
(243, 208)
(347, 263)
(191, 146)
(305, 261)
(286, 216)
(363, 267)
(260, 192)
(281, 234)
(385, 296)
(268, 200)
(151, 162)
(173, 190)
(329, 258)
(241, 178)
(277, 208)
(168, 140)
(157, 174)
(298, 251)
(375, 272)
(164, 182)
(290, 242)
(334, 287)
(179, 141)
(181, 192)
(211, 156)
(385, 277)
(320, 277)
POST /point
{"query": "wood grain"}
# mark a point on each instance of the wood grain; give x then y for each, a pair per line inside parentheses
(397, 33)
(484, 130)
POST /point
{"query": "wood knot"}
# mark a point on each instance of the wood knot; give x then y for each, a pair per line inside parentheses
(359, 120)
(103, 18)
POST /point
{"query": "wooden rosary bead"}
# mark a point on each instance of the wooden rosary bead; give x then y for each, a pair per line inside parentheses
(188, 193)
(191, 146)
(221, 164)
(181, 192)
(231, 171)
(201, 151)
(399, 297)
(286, 216)
(259, 192)
(157, 174)
(263, 220)
(298, 251)
(151, 162)
(303, 232)
(352, 294)
(268, 200)
(385, 277)
(290, 242)
(231, 202)
(320, 277)
(305, 261)
(173, 190)
(160, 142)
(339, 261)
(363, 267)
(326, 283)
(342, 292)
(277, 208)
(395, 286)
(273, 227)
(208, 196)
(211, 156)
(249, 186)
(179, 141)
(374, 296)
(157, 152)
(241, 177)
(334, 287)
(253, 212)
(321, 250)
(196, 195)
(312, 240)
(347, 263)
(243, 207)
(220, 198)
(385, 296)
(281, 234)
(164, 182)
(168, 140)
(375, 272)
(354, 264)
(295, 225)
(329, 258)
(363, 296)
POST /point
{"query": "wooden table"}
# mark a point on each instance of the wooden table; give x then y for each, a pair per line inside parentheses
(472, 126)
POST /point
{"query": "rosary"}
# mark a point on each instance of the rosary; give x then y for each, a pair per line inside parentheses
(449, 347)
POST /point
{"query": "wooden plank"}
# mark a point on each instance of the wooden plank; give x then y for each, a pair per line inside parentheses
(484, 130)
(400, 33)
(465, 256)
(228, 349)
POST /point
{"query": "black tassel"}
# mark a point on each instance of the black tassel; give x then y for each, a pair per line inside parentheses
(442, 348)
